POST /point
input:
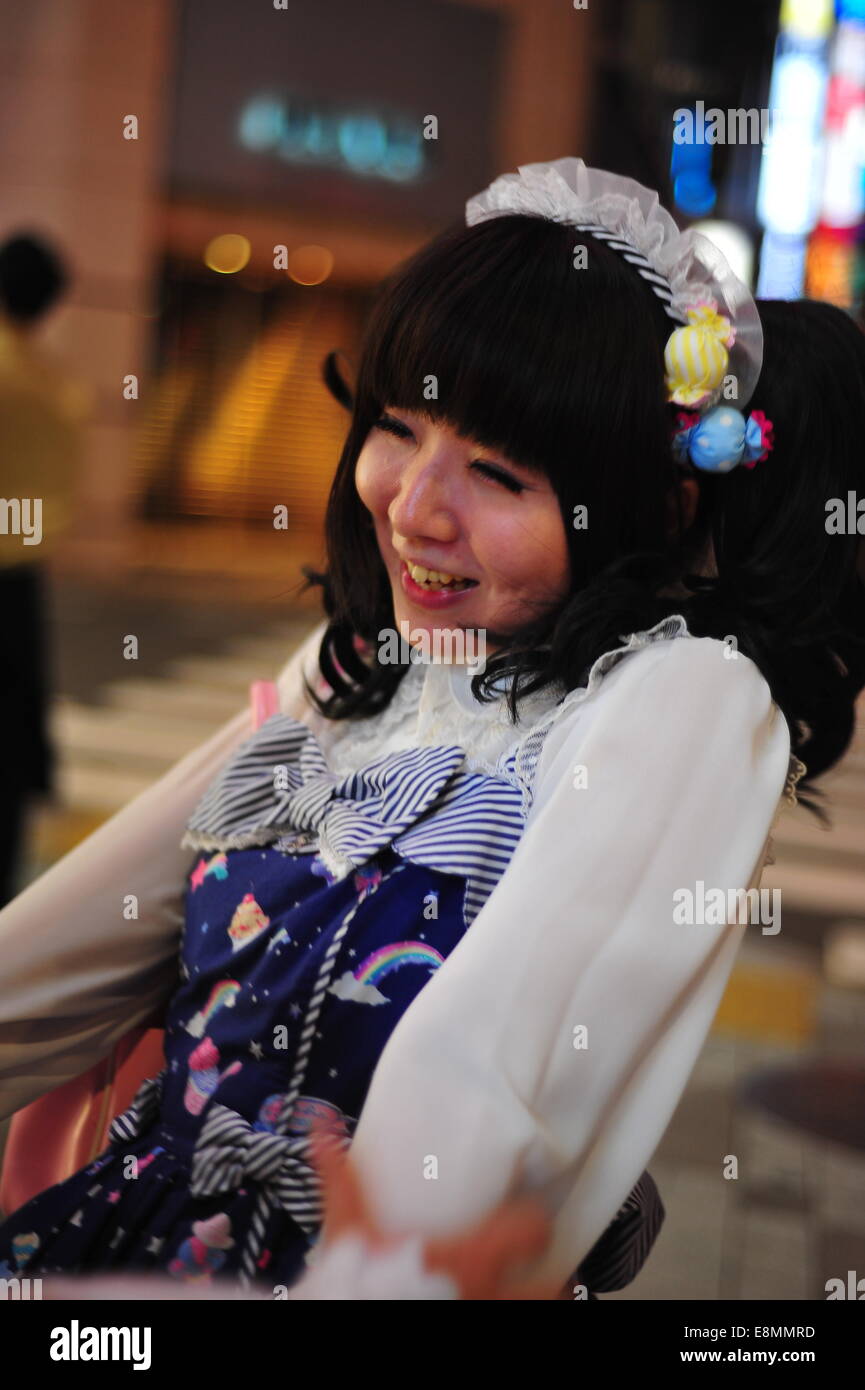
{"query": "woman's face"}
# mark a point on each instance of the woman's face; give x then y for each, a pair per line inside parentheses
(440, 502)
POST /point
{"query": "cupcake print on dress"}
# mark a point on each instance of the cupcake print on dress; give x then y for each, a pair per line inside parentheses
(203, 1254)
(204, 1076)
(248, 922)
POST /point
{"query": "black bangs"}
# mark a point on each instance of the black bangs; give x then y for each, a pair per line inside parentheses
(501, 331)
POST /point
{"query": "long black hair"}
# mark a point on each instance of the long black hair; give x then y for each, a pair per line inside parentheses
(562, 367)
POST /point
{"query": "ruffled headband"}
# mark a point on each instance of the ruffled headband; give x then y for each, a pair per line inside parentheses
(713, 359)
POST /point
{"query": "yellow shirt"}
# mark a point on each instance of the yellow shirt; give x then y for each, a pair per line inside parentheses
(42, 415)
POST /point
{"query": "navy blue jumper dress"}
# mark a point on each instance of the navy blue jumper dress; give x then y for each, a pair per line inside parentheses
(317, 907)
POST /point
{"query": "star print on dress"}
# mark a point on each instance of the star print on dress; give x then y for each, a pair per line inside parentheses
(217, 865)
(359, 985)
(248, 922)
(196, 878)
(222, 996)
(203, 1076)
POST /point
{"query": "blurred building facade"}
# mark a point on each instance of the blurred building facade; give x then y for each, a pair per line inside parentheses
(135, 145)
(231, 182)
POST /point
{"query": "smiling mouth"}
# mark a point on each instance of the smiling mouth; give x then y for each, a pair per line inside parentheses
(437, 579)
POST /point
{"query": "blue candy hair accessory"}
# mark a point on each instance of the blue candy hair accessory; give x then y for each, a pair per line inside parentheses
(722, 438)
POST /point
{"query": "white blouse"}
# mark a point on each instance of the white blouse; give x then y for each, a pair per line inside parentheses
(546, 1056)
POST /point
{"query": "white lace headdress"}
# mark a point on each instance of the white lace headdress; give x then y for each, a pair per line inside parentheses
(718, 352)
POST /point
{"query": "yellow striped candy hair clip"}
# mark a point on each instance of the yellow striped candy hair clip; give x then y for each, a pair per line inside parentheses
(715, 352)
(696, 357)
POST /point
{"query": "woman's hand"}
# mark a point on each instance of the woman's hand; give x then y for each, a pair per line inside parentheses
(479, 1261)
(479, 1264)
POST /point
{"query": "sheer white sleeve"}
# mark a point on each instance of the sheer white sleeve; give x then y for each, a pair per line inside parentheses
(548, 1053)
(77, 968)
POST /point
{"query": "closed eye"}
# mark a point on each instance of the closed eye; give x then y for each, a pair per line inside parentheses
(496, 474)
(392, 426)
(389, 425)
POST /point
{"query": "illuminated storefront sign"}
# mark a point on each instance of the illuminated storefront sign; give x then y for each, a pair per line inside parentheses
(788, 197)
(364, 143)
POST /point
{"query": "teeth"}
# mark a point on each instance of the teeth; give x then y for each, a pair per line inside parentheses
(433, 578)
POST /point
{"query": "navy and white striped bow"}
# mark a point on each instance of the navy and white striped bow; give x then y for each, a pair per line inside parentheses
(140, 1113)
(279, 782)
(421, 801)
(229, 1150)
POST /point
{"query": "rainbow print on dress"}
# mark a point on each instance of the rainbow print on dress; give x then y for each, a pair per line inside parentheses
(360, 985)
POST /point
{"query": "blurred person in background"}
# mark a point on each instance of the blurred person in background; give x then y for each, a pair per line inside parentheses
(42, 411)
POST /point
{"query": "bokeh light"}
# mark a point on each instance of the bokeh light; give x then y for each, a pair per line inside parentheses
(310, 265)
(228, 253)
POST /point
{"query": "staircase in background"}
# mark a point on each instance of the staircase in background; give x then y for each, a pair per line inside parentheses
(110, 752)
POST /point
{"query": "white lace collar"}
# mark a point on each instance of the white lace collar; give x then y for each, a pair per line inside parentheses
(434, 705)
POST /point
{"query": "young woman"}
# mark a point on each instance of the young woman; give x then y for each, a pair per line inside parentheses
(439, 911)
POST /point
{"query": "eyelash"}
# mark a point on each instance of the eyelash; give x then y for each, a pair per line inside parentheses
(401, 431)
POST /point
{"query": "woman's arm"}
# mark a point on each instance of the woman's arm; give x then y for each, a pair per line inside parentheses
(89, 949)
(548, 1053)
